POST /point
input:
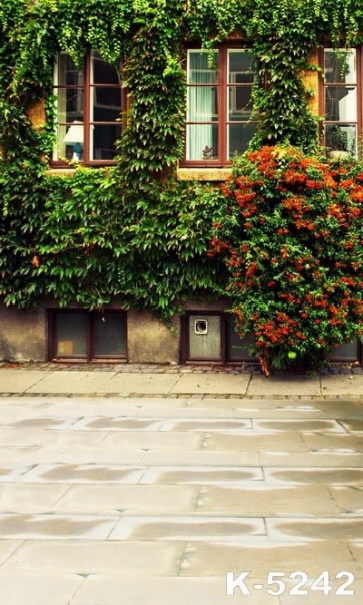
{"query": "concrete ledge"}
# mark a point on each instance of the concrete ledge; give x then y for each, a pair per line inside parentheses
(203, 174)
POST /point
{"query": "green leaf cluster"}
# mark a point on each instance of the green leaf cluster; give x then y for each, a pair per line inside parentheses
(133, 231)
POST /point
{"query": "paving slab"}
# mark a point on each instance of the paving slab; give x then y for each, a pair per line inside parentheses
(339, 530)
(47, 526)
(32, 437)
(85, 557)
(130, 499)
(201, 475)
(141, 383)
(255, 441)
(212, 383)
(30, 498)
(19, 381)
(71, 382)
(311, 476)
(52, 590)
(267, 501)
(342, 385)
(162, 591)
(188, 529)
(177, 489)
(212, 558)
(320, 459)
(285, 385)
(153, 440)
(82, 455)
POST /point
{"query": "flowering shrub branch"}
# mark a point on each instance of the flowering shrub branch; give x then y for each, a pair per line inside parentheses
(291, 236)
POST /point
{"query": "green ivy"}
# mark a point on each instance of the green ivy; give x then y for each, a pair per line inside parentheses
(133, 231)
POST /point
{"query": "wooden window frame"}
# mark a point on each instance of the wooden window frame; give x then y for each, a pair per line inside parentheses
(87, 87)
(90, 356)
(357, 84)
(222, 122)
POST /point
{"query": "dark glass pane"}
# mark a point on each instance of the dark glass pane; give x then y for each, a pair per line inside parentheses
(109, 334)
(71, 334)
(238, 348)
(239, 135)
(202, 142)
(103, 139)
(240, 64)
(240, 102)
(103, 73)
(106, 104)
(68, 73)
(347, 351)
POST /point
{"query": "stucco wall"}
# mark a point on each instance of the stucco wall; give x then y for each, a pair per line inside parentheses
(22, 334)
(149, 340)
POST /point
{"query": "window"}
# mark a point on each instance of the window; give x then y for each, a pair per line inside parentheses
(87, 336)
(341, 102)
(89, 103)
(210, 336)
(219, 105)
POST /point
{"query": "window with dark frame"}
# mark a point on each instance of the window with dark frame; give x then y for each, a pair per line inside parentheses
(89, 104)
(210, 336)
(219, 105)
(341, 100)
(87, 336)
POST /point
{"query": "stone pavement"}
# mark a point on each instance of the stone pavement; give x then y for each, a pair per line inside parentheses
(146, 487)
(125, 380)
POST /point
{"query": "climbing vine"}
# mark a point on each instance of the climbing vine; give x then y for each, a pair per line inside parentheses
(132, 230)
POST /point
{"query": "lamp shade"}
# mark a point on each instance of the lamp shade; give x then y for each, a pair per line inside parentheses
(74, 133)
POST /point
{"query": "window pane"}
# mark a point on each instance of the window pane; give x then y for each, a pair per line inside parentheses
(202, 104)
(68, 73)
(238, 348)
(240, 64)
(71, 334)
(103, 73)
(202, 142)
(340, 103)
(200, 69)
(239, 135)
(106, 104)
(335, 71)
(240, 102)
(70, 104)
(341, 137)
(102, 141)
(110, 334)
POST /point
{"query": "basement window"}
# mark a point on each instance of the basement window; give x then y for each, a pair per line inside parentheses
(87, 336)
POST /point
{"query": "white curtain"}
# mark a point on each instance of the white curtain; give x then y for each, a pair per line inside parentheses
(201, 106)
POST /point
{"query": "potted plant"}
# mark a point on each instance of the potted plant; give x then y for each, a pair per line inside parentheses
(338, 148)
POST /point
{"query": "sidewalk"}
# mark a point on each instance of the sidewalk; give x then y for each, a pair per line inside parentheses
(147, 484)
(125, 380)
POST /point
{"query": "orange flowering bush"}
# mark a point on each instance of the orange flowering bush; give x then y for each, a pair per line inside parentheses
(290, 233)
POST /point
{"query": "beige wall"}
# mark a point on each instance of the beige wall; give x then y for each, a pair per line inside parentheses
(149, 340)
(22, 334)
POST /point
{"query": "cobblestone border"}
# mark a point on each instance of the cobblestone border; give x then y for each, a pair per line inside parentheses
(131, 368)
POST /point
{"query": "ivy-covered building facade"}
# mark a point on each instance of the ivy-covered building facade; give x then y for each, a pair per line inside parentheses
(121, 122)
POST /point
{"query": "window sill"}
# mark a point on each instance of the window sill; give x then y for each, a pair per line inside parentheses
(60, 171)
(204, 174)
